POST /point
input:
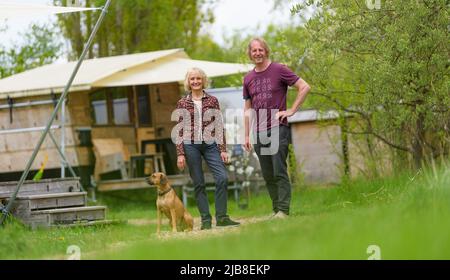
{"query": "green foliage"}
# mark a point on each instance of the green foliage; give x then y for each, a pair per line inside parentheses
(138, 26)
(210, 50)
(38, 176)
(387, 67)
(40, 47)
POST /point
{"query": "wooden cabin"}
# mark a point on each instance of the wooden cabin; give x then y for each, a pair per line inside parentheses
(324, 154)
(118, 112)
(317, 146)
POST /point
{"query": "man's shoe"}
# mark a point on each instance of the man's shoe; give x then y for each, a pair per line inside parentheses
(227, 222)
(205, 225)
(272, 216)
(280, 215)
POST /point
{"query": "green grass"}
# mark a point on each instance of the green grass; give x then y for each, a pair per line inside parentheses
(407, 216)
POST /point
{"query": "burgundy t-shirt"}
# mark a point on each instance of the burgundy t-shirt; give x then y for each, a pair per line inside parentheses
(268, 90)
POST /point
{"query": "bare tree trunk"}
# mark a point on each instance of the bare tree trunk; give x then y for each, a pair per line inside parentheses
(89, 27)
(418, 141)
(344, 139)
(77, 35)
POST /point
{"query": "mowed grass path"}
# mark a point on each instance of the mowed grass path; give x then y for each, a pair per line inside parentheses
(407, 217)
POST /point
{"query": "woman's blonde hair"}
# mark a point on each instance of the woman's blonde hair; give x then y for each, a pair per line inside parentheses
(187, 86)
(262, 42)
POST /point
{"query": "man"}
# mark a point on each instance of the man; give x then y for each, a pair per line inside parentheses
(265, 91)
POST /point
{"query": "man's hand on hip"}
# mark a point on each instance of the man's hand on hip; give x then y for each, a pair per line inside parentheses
(284, 114)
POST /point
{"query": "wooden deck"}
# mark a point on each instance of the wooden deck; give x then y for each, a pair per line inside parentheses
(138, 183)
(181, 180)
(177, 181)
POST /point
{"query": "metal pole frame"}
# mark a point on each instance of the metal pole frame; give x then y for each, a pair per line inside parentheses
(5, 211)
(64, 160)
(63, 138)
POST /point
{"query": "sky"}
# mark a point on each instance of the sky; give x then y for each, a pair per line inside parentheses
(247, 16)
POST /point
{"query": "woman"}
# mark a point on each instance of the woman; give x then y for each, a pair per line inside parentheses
(201, 111)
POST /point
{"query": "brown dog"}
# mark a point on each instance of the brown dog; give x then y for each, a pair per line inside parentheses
(170, 205)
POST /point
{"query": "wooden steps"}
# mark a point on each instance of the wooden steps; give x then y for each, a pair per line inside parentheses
(50, 203)
(65, 216)
(41, 187)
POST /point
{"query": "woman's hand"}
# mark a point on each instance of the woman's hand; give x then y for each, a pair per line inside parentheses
(224, 157)
(247, 144)
(181, 162)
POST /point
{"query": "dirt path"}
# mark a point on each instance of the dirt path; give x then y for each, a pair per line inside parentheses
(197, 233)
(197, 223)
(167, 235)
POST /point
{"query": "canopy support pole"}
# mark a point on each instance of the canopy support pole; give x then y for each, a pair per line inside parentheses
(7, 209)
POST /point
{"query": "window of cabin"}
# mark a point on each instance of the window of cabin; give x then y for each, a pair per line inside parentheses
(99, 105)
(120, 104)
(111, 106)
(144, 110)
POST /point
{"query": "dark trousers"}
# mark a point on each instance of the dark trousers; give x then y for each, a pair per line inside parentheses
(210, 152)
(272, 159)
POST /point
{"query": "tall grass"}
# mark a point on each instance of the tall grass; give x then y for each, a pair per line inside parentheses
(406, 216)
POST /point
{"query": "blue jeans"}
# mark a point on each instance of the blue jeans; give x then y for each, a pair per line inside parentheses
(211, 154)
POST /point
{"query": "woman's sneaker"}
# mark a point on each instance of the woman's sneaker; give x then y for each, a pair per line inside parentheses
(205, 225)
(227, 222)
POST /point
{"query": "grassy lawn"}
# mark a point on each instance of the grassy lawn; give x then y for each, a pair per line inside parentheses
(406, 216)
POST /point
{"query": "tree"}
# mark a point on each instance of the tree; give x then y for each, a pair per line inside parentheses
(40, 47)
(137, 26)
(388, 66)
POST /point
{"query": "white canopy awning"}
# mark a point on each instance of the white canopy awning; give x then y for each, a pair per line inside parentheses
(10, 9)
(168, 70)
(126, 70)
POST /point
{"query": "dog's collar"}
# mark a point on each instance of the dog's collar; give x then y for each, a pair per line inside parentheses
(164, 192)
